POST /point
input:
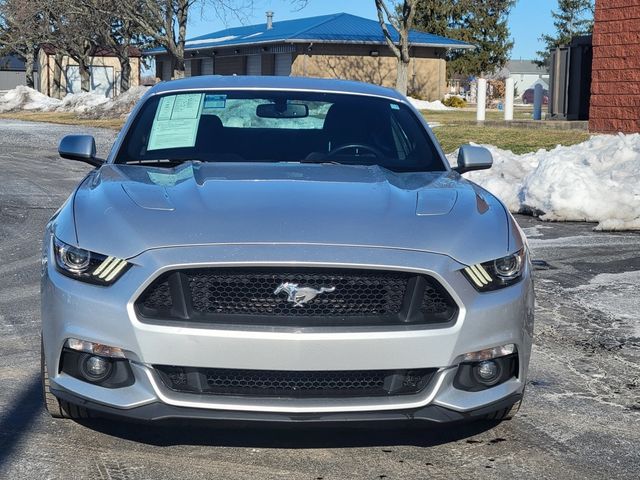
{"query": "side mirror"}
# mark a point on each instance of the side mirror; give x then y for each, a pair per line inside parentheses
(473, 158)
(81, 148)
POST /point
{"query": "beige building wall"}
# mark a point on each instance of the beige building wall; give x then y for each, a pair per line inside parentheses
(427, 76)
(46, 65)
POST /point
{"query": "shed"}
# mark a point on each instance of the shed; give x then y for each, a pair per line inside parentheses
(105, 71)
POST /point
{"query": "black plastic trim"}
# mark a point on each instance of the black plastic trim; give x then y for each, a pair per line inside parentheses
(159, 411)
(120, 376)
(466, 379)
(409, 315)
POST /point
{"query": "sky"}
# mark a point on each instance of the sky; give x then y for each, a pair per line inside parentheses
(529, 19)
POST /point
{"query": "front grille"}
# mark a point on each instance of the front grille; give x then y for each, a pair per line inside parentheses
(324, 297)
(366, 293)
(294, 384)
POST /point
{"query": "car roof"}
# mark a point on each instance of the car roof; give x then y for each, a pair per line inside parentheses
(246, 82)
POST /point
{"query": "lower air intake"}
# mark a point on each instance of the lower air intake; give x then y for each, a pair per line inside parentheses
(295, 384)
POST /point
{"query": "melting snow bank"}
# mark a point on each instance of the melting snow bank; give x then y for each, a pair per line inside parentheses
(424, 105)
(595, 181)
(25, 98)
(87, 104)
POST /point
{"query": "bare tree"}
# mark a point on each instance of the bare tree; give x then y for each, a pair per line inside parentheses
(119, 32)
(400, 16)
(75, 32)
(165, 21)
(22, 29)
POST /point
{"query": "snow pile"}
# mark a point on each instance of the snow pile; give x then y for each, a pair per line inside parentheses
(81, 102)
(25, 98)
(86, 104)
(596, 181)
(120, 106)
(424, 105)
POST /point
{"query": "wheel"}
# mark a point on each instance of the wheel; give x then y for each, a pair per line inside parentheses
(53, 405)
(505, 413)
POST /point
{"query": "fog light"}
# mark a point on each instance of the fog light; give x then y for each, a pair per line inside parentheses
(488, 370)
(95, 369)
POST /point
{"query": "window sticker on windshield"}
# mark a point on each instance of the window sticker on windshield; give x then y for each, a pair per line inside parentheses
(395, 106)
(176, 122)
(213, 102)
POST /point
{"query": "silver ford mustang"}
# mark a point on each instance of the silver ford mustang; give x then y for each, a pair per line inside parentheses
(286, 249)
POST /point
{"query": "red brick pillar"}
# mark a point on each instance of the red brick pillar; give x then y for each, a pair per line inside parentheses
(615, 85)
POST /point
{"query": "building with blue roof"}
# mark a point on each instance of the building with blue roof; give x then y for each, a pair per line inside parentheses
(329, 46)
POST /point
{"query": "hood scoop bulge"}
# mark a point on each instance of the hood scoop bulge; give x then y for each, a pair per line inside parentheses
(150, 197)
(439, 201)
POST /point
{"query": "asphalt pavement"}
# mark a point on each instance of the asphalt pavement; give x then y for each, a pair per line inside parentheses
(580, 417)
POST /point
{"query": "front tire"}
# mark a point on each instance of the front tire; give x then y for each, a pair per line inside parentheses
(53, 405)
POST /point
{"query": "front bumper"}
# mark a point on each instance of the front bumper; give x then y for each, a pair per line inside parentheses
(158, 411)
(106, 315)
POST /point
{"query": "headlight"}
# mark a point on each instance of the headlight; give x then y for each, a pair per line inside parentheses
(498, 273)
(87, 266)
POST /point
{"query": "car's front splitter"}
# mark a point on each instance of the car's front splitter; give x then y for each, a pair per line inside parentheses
(158, 411)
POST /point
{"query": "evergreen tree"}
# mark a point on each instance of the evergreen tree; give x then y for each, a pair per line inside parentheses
(437, 16)
(573, 18)
(482, 23)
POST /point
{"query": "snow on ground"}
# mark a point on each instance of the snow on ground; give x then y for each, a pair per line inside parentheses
(25, 98)
(596, 181)
(424, 105)
(120, 106)
(87, 104)
(81, 102)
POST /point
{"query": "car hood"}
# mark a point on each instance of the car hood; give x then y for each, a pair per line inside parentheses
(123, 210)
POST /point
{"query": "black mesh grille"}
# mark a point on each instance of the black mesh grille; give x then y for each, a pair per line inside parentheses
(321, 297)
(267, 383)
(252, 293)
(435, 301)
(158, 298)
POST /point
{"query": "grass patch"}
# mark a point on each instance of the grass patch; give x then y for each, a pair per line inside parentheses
(458, 127)
(518, 140)
(65, 118)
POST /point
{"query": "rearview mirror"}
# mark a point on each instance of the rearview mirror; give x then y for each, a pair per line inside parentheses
(282, 110)
(473, 158)
(81, 148)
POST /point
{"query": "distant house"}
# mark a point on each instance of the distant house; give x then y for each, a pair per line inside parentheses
(105, 71)
(329, 46)
(615, 85)
(12, 72)
(525, 74)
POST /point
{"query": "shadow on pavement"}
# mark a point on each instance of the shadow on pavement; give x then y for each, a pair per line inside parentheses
(16, 420)
(292, 436)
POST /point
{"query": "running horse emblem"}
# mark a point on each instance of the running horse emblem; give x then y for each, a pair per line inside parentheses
(299, 296)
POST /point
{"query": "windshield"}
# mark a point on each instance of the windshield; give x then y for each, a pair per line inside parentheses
(279, 126)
